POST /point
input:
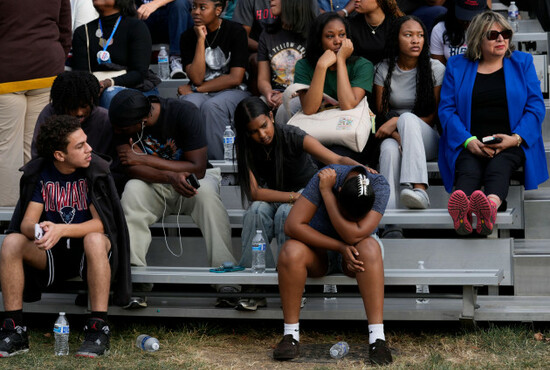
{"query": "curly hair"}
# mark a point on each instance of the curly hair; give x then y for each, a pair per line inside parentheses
(54, 135)
(424, 103)
(390, 8)
(72, 90)
(314, 46)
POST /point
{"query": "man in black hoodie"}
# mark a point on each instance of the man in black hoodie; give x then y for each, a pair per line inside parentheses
(68, 224)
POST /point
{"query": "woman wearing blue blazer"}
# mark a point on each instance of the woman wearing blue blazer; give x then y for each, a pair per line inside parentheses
(491, 111)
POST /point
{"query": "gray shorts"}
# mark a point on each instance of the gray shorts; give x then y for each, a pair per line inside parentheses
(335, 258)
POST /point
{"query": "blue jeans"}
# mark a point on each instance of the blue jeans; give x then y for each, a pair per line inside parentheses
(270, 218)
(169, 22)
(110, 92)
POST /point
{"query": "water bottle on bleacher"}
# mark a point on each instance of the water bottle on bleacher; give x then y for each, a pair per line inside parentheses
(513, 15)
(164, 69)
(422, 288)
(258, 253)
(228, 140)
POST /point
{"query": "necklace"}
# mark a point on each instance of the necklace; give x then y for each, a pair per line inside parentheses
(268, 153)
(373, 30)
(214, 39)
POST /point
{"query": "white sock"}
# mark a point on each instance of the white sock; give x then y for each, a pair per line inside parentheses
(376, 331)
(293, 329)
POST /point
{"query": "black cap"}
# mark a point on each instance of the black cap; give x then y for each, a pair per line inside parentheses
(466, 10)
(128, 107)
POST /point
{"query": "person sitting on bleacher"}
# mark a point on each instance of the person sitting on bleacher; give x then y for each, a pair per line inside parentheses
(115, 42)
(407, 86)
(167, 20)
(489, 92)
(76, 93)
(274, 166)
(332, 229)
(161, 142)
(214, 56)
(70, 224)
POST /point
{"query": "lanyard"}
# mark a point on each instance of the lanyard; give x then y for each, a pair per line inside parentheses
(112, 33)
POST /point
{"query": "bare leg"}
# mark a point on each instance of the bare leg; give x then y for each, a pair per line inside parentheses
(371, 281)
(96, 248)
(296, 262)
(16, 250)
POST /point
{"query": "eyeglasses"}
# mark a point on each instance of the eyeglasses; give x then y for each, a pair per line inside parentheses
(493, 35)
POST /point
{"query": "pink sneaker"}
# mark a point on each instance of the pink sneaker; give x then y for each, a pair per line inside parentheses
(458, 208)
(485, 210)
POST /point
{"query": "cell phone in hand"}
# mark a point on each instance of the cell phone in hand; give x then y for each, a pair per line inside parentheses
(487, 140)
(193, 181)
(38, 232)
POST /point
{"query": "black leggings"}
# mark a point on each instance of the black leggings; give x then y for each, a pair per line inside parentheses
(473, 172)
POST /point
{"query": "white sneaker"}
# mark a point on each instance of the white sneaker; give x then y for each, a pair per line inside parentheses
(176, 70)
(415, 198)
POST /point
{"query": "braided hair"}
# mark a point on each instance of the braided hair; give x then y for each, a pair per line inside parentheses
(72, 90)
(424, 103)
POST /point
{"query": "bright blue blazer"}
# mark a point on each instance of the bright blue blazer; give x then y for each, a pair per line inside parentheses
(525, 109)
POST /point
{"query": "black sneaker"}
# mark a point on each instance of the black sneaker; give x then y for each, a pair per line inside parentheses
(96, 339)
(379, 353)
(13, 339)
(287, 349)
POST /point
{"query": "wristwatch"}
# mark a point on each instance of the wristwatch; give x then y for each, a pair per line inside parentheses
(194, 88)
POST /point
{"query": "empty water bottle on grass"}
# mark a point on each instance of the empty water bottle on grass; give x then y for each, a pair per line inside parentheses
(61, 334)
(339, 350)
(422, 288)
(164, 69)
(147, 343)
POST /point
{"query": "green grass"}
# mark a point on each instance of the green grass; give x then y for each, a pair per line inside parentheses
(231, 344)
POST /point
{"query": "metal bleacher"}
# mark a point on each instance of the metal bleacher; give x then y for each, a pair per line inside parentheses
(512, 263)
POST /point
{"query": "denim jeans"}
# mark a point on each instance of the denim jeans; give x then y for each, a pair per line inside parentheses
(270, 218)
(169, 22)
(110, 92)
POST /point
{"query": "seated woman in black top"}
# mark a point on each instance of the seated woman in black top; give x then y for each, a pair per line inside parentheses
(214, 56)
(116, 41)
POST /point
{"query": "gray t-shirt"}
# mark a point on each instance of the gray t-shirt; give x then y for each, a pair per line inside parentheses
(403, 84)
(321, 220)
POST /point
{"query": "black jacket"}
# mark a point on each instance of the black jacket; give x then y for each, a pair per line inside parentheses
(104, 197)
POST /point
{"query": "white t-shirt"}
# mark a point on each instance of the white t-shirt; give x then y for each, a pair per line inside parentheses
(439, 47)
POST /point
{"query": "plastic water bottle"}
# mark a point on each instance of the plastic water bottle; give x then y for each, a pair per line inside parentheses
(228, 140)
(339, 350)
(330, 289)
(147, 343)
(422, 288)
(61, 333)
(164, 69)
(258, 253)
(513, 15)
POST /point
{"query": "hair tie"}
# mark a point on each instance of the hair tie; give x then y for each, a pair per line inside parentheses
(363, 183)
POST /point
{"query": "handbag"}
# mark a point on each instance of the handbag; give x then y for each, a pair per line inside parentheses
(333, 126)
